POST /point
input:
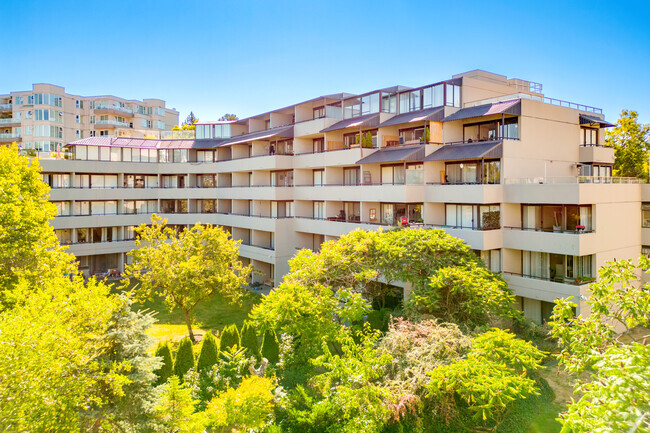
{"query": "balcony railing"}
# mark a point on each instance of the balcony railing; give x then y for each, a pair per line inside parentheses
(112, 122)
(114, 107)
(5, 106)
(10, 135)
(9, 120)
(572, 179)
(551, 101)
(561, 280)
(577, 231)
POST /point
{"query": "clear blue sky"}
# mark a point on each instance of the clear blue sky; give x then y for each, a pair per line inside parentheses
(248, 57)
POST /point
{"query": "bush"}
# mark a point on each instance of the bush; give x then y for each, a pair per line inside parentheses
(230, 337)
(250, 406)
(249, 340)
(184, 358)
(209, 353)
(167, 367)
(270, 347)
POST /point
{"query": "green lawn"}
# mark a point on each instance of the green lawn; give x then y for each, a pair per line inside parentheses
(212, 314)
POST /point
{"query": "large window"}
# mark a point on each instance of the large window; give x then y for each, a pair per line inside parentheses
(319, 210)
(433, 96)
(281, 209)
(351, 176)
(491, 130)
(588, 136)
(645, 215)
(472, 216)
(396, 213)
(556, 267)
(355, 107)
(470, 172)
(206, 181)
(318, 177)
(318, 145)
(282, 178)
(409, 101)
(352, 211)
(206, 206)
(392, 174)
(557, 218)
(173, 206)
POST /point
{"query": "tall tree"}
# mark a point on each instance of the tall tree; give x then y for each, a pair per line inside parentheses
(188, 267)
(191, 119)
(30, 253)
(618, 396)
(631, 140)
(125, 361)
(228, 116)
(175, 409)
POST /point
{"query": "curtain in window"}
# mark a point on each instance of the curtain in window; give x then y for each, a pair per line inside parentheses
(585, 217)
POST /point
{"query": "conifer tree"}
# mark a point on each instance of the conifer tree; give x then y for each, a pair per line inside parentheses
(249, 340)
(230, 337)
(167, 368)
(270, 346)
(209, 353)
(184, 358)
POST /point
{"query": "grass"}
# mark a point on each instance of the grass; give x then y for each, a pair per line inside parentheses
(212, 314)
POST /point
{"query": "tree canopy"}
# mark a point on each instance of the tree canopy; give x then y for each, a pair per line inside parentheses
(631, 140)
(228, 116)
(187, 267)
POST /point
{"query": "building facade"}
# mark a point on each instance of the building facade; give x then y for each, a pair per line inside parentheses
(46, 118)
(525, 180)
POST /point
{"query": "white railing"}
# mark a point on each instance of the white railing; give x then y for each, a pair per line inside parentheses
(572, 179)
(5, 106)
(544, 99)
(111, 122)
(10, 135)
(114, 107)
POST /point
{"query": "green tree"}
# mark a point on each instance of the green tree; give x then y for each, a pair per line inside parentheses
(164, 352)
(184, 358)
(270, 346)
(187, 267)
(175, 409)
(209, 353)
(631, 142)
(227, 117)
(618, 396)
(49, 344)
(249, 340)
(30, 253)
(125, 392)
(248, 407)
(230, 337)
(489, 380)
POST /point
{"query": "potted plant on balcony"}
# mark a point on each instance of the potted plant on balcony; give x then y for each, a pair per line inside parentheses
(426, 137)
(366, 141)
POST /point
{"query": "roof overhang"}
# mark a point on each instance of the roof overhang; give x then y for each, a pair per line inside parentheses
(593, 121)
(457, 152)
(282, 132)
(435, 114)
(396, 154)
(365, 121)
(506, 107)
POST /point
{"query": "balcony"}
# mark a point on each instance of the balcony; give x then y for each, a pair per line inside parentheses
(5, 107)
(600, 154)
(543, 289)
(573, 242)
(102, 124)
(10, 121)
(113, 109)
(10, 137)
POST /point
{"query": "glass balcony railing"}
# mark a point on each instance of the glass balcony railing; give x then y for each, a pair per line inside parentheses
(2, 106)
(10, 135)
(112, 122)
(114, 107)
(9, 120)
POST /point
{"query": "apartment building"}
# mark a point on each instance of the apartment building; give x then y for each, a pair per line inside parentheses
(524, 179)
(45, 118)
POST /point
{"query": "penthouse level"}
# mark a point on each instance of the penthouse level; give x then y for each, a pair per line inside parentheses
(525, 180)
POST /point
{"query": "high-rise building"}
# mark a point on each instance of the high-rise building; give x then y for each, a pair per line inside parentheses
(524, 179)
(46, 117)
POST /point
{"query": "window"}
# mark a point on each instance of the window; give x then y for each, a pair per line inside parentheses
(206, 206)
(351, 176)
(319, 112)
(77, 119)
(62, 208)
(282, 178)
(411, 134)
(588, 136)
(159, 111)
(433, 96)
(645, 215)
(318, 145)
(394, 213)
(414, 174)
(392, 174)
(318, 176)
(281, 209)
(360, 106)
(206, 181)
(476, 217)
(389, 103)
(409, 101)
(145, 123)
(159, 125)
(319, 210)
(173, 206)
(205, 156)
(352, 211)
(557, 218)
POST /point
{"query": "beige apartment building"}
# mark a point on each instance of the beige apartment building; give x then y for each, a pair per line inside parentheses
(46, 118)
(524, 179)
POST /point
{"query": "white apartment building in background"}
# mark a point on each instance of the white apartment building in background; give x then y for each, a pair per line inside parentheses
(46, 117)
(523, 179)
